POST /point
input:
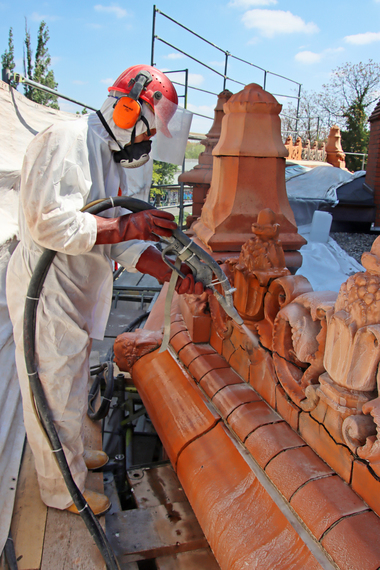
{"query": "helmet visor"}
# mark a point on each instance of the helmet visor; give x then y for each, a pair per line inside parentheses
(173, 127)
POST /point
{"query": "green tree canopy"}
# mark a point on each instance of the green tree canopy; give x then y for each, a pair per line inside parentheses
(39, 70)
(7, 59)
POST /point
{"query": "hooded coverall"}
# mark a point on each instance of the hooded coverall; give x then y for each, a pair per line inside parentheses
(66, 167)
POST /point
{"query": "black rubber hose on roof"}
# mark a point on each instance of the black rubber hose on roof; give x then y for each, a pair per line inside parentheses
(30, 315)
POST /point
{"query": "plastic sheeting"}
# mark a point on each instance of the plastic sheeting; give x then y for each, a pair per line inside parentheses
(325, 265)
(311, 189)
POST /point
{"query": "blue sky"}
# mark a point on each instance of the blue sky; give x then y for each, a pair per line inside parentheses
(92, 42)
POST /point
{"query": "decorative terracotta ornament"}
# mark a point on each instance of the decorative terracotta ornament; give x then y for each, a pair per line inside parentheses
(130, 347)
(335, 154)
(261, 260)
(248, 176)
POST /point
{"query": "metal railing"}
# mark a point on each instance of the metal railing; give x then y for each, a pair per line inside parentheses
(227, 57)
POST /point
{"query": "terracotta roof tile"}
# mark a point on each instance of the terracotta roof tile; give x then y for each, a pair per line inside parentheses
(286, 408)
(240, 362)
(175, 405)
(215, 380)
(364, 483)
(294, 467)
(354, 542)
(338, 456)
(262, 376)
(204, 364)
(248, 417)
(177, 327)
(223, 490)
(230, 397)
(192, 351)
(323, 502)
(180, 340)
(215, 340)
(268, 441)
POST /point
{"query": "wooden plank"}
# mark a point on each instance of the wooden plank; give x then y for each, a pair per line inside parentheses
(68, 543)
(141, 534)
(29, 516)
(193, 560)
(155, 486)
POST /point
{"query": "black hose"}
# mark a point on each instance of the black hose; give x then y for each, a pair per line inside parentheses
(30, 313)
(104, 407)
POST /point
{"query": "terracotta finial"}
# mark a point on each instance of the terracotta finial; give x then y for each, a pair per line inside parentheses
(335, 154)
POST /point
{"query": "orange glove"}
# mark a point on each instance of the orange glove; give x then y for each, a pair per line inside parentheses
(135, 226)
(152, 263)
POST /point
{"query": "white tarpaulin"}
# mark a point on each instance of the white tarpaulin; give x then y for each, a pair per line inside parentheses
(20, 121)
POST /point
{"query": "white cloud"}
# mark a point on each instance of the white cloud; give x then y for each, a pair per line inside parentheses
(109, 81)
(272, 22)
(36, 17)
(249, 3)
(94, 26)
(363, 39)
(308, 57)
(113, 9)
(79, 82)
(176, 55)
(217, 64)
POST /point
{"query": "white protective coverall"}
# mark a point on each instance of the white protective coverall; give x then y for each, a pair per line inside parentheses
(65, 167)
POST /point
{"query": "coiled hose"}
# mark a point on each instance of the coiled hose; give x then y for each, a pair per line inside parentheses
(45, 415)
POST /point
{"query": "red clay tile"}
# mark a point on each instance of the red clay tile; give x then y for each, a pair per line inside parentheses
(174, 404)
(198, 325)
(286, 408)
(248, 417)
(177, 327)
(243, 526)
(175, 317)
(180, 340)
(240, 362)
(228, 349)
(323, 502)
(215, 340)
(354, 542)
(294, 467)
(215, 380)
(230, 397)
(366, 485)
(267, 441)
(199, 367)
(192, 351)
(262, 375)
(337, 456)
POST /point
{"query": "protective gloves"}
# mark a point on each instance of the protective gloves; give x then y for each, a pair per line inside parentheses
(135, 226)
(152, 263)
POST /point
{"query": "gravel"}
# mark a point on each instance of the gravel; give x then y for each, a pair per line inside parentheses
(354, 244)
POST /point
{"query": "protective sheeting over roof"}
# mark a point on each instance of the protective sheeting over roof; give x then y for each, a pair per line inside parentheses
(20, 120)
(311, 189)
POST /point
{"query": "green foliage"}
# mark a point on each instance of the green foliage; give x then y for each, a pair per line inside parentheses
(193, 150)
(356, 137)
(163, 173)
(41, 74)
(7, 59)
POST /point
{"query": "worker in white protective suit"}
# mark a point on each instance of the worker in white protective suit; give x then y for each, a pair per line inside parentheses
(66, 167)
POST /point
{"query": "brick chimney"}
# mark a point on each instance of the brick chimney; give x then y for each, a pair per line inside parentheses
(372, 179)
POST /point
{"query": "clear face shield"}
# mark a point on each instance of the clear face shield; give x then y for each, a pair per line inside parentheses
(172, 124)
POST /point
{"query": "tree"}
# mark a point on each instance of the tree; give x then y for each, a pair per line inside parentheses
(41, 74)
(163, 173)
(7, 59)
(356, 137)
(311, 123)
(349, 98)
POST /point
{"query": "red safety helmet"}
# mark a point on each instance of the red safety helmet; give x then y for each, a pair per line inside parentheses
(155, 93)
